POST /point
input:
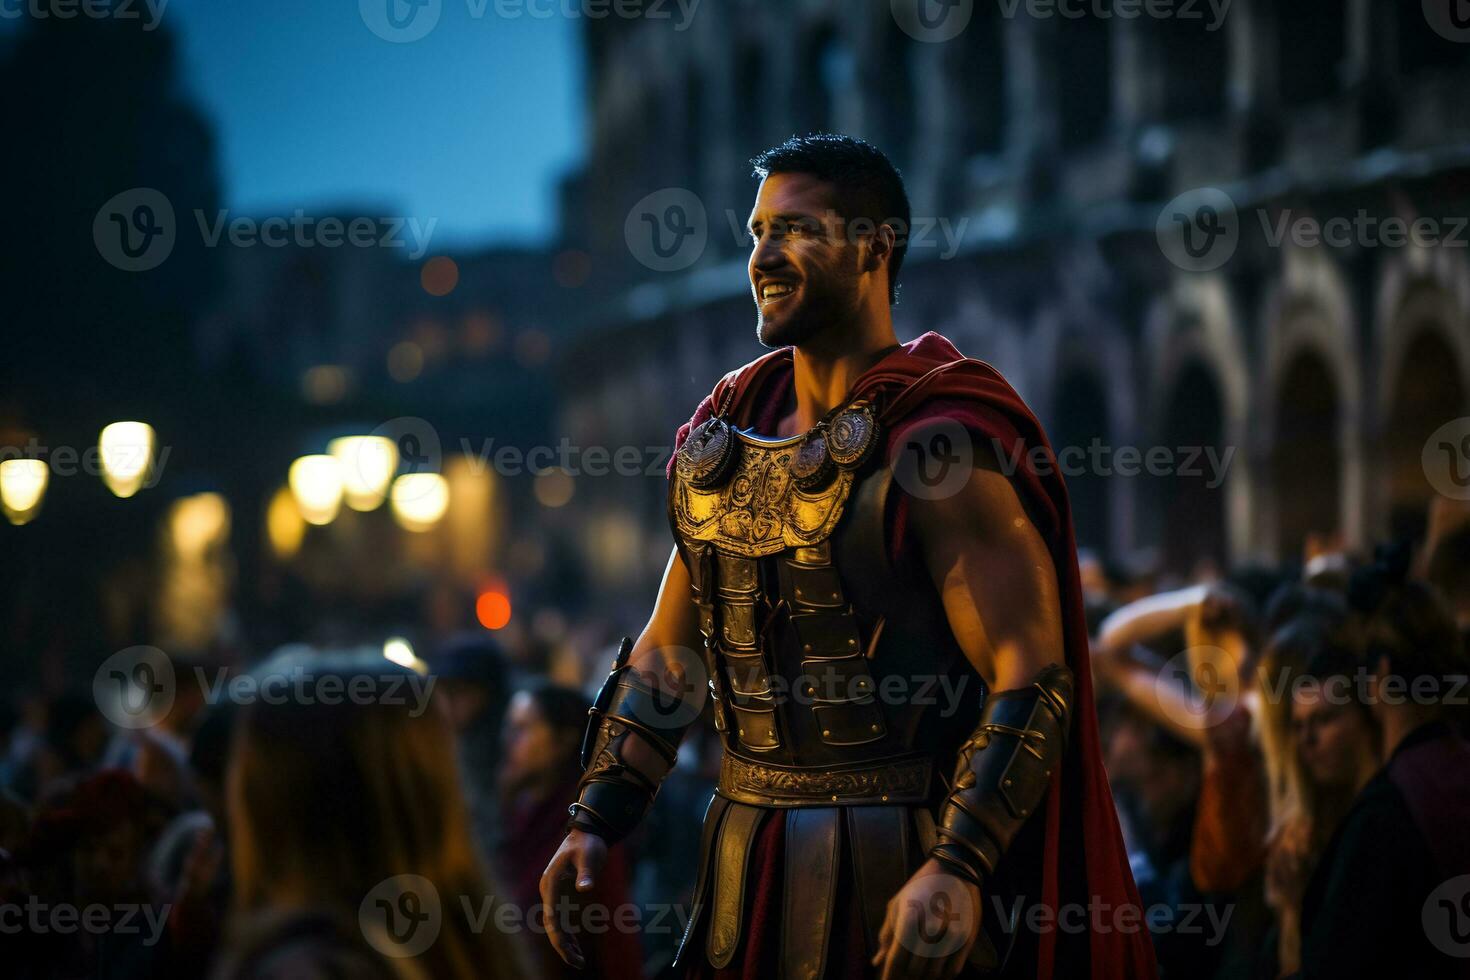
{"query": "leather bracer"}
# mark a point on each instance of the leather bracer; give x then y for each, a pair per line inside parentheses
(613, 796)
(1002, 772)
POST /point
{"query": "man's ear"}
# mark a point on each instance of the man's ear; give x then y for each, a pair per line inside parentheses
(880, 247)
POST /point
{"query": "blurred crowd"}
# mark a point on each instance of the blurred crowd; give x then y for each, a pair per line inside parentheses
(1287, 751)
(1286, 748)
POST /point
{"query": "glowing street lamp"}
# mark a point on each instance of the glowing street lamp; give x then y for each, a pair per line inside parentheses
(22, 485)
(126, 449)
(284, 525)
(316, 483)
(401, 652)
(198, 523)
(368, 464)
(419, 500)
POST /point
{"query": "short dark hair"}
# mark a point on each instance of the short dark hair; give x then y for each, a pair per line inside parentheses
(867, 183)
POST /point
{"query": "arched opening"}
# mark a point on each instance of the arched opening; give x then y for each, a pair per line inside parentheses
(1085, 81)
(1312, 41)
(1191, 492)
(657, 169)
(980, 70)
(888, 87)
(1306, 465)
(1196, 65)
(694, 134)
(749, 86)
(826, 71)
(1080, 422)
(1426, 393)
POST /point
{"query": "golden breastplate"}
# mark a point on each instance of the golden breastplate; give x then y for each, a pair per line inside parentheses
(751, 497)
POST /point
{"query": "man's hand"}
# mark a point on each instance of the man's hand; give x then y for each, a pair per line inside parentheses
(573, 869)
(931, 926)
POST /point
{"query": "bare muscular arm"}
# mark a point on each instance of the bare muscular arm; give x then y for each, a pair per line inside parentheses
(999, 588)
(995, 577)
(663, 655)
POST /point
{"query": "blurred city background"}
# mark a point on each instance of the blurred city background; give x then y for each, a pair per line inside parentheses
(505, 240)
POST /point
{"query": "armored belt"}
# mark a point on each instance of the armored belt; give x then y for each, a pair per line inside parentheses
(894, 781)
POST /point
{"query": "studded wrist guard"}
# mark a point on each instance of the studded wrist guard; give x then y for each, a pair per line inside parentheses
(1002, 772)
(613, 796)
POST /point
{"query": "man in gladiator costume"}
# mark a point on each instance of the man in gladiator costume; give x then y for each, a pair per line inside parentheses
(894, 653)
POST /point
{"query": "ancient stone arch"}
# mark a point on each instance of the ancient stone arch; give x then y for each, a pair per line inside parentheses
(1196, 324)
(1074, 344)
(1420, 375)
(1307, 314)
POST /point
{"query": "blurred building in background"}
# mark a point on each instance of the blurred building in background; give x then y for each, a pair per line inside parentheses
(1042, 154)
(1050, 146)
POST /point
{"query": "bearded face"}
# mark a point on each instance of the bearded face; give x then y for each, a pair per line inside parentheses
(803, 266)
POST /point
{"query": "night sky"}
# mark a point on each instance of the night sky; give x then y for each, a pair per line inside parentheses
(472, 124)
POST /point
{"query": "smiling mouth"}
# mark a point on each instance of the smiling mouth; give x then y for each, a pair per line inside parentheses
(773, 292)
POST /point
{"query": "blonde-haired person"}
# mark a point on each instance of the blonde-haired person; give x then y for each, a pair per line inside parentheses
(1321, 747)
(349, 837)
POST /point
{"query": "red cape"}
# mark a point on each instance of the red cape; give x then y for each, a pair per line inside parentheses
(1084, 862)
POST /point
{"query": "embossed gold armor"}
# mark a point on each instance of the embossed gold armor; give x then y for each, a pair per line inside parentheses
(759, 509)
(820, 655)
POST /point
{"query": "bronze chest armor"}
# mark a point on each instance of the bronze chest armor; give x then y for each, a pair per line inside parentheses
(834, 676)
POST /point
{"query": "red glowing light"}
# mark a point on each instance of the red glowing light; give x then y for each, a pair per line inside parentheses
(493, 609)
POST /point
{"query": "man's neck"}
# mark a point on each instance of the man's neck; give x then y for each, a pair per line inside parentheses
(823, 376)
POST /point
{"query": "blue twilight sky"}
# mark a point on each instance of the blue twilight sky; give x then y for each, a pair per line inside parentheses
(472, 124)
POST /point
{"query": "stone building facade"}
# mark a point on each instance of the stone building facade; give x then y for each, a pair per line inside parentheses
(1056, 140)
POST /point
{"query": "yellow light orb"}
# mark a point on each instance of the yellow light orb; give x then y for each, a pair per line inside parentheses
(553, 488)
(368, 464)
(419, 500)
(126, 449)
(22, 486)
(284, 525)
(316, 484)
(198, 522)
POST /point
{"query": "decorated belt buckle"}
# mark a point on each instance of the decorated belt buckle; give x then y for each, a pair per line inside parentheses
(708, 455)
